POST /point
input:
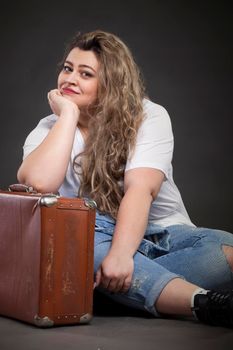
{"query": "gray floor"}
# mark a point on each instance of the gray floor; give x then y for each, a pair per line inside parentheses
(116, 328)
(110, 333)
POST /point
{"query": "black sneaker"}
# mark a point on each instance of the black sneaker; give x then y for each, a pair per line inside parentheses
(214, 308)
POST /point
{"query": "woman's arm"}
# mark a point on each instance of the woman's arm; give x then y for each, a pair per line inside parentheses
(46, 166)
(141, 188)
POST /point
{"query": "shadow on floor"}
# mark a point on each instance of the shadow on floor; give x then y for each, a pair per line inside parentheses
(104, 306)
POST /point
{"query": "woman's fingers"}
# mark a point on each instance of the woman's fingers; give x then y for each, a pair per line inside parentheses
(98, 277)
(114, 285)
(115, 273)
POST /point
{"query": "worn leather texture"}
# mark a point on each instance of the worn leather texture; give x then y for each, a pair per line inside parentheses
(46, 259)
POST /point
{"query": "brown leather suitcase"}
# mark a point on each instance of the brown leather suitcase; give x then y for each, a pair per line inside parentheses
(46, 258)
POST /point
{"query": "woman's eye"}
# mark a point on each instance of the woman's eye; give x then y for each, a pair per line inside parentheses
(86, 74)
(67, 68)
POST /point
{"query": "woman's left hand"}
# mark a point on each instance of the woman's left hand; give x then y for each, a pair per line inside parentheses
(58, 102)
(115, 273)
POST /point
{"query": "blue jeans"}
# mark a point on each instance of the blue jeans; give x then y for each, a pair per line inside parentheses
(191, 253)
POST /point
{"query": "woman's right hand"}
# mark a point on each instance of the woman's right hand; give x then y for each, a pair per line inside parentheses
(58, 102)
(115, 273)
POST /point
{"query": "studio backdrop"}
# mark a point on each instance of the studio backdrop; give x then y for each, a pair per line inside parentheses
(185, 52)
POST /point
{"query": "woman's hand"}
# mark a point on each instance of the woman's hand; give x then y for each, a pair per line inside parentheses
(58, 102)
(115, 273)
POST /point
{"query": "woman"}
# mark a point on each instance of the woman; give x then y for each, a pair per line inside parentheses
(106, 140)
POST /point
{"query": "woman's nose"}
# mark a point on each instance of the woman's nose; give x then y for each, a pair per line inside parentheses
(72, 78)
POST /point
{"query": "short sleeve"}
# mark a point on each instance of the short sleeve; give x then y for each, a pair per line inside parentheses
(37, 135)
(155, 142)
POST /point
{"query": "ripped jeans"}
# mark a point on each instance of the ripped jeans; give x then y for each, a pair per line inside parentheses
(192, 253)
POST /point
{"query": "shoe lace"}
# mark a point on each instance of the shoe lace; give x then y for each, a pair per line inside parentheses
(220, 309)
(220, 298)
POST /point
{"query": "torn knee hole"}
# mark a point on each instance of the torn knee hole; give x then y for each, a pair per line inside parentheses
(228, 251)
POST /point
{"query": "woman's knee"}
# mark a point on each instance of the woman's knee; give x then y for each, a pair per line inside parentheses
(228, 251)
(225, 239)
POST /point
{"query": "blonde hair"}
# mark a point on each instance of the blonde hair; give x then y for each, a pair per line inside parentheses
(118, 113)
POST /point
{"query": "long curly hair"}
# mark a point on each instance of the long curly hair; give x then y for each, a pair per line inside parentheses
(115, 119)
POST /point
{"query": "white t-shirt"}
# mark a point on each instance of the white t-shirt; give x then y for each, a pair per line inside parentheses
(154, 149)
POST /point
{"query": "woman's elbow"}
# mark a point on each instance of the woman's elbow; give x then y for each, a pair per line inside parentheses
(20, 176)
(41, 184)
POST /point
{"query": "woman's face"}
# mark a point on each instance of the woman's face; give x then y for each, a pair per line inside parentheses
(78, 79)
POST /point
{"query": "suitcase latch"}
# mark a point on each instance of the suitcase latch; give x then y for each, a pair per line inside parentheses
(90, 203)
(48, 200)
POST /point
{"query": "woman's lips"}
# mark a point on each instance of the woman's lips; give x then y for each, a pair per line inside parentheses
(69, 91)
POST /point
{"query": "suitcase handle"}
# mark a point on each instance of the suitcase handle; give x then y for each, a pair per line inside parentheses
(21, 188)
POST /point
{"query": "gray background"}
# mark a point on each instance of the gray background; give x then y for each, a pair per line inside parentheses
(185, 51)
